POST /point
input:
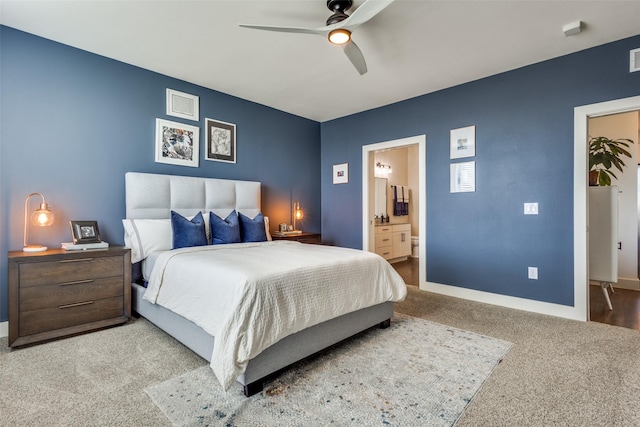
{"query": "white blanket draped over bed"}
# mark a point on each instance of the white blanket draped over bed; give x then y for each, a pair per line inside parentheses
(251, 295)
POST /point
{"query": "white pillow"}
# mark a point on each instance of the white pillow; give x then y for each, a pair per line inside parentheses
(144, 236)
(266, 228)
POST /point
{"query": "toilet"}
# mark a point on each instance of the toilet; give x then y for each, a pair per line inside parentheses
(415, 241)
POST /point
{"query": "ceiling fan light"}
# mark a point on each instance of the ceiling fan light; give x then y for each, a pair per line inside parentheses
(339, 36)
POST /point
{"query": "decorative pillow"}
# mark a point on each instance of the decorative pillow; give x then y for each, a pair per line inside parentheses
(224, 230)
(252, 230)
(144, 236)
(266, 228)
(188, 233)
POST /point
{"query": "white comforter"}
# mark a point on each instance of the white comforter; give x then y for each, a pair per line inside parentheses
(251, 295)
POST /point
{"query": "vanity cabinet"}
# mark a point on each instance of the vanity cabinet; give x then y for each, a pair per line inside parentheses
(393, 241)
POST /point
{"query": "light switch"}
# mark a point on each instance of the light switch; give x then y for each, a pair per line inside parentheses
(531, 209)
(533, 273)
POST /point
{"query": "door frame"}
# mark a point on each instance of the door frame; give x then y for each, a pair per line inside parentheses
(367, 203)
(581, 117)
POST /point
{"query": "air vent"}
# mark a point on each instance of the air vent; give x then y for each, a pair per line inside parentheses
(634, 60)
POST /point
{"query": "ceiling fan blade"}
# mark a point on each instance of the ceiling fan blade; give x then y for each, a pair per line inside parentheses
(319, 31)
(356, 57)
(366, 11)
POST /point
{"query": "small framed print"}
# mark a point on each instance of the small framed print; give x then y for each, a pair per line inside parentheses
(177, 143)
(463, 142)
(463, 177)
(84, 232)
(341, 173)
(220, 141)
(183, 105)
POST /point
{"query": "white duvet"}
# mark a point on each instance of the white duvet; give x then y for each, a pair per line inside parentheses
(251, 295)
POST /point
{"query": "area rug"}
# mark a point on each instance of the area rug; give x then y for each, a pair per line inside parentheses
(414, 373)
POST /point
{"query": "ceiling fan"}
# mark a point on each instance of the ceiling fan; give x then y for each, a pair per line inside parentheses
(339, 27)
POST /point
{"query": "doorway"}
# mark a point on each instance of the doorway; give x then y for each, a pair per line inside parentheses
(625, 298)
(368, 199)
(580, 195)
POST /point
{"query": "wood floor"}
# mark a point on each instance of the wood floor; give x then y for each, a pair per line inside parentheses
(626, 303)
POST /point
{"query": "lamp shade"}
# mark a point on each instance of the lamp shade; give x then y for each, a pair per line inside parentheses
(298, 214)
(42, 217)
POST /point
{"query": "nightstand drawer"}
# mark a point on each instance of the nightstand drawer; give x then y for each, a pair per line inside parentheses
(66, 315)
(57, 293)
(69, 270)
(50, 296)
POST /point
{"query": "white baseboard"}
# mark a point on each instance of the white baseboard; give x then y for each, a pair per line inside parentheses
(627, 283)
(568, 312)
(4, 329)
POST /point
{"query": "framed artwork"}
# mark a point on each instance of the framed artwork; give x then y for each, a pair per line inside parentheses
(463, 177)
(341, 173)
(183, 105)
(462, 142)
(177, 143)
(220, 141)
(84, 232)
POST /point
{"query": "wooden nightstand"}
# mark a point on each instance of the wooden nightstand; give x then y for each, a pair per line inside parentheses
(58, 293)
(304, 237)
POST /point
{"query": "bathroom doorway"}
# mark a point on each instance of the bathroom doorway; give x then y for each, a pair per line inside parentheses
(416, 149)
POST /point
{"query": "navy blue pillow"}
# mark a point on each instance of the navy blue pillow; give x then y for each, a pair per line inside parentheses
(252, 230)
(224, 230)
(188, 233)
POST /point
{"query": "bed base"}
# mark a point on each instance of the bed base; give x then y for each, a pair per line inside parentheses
(276, 358)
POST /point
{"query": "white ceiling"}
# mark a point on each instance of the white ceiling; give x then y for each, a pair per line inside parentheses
(411, 48)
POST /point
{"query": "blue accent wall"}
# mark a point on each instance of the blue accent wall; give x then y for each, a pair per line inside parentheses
(72, 124)
(524, 153)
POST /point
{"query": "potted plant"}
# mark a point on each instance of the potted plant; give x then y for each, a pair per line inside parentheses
(604, 153)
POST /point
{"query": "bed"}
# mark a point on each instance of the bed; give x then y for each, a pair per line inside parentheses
(150, 199)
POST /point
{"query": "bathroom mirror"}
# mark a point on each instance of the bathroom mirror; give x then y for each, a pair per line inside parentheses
(381, 197)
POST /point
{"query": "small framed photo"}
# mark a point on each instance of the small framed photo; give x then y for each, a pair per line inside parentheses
(341, 173)
(177, 143)
(85, 232)
(220, 141)
(463, 142)
(183, 105)
(463, 177)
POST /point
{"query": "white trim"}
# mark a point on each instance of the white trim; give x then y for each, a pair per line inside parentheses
(503, 300)
(421, 140)
(581, 117)
(4, 329)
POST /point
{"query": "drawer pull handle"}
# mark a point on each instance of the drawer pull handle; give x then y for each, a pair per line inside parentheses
(386, 253)
(76, 304)
(76, 260)
(385, 240)
(77, 282)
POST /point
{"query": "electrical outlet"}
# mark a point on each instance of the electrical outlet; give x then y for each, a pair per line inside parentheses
(531, 209)
(533, 273)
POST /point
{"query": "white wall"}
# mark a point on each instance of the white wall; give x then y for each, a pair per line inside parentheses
(617, 126)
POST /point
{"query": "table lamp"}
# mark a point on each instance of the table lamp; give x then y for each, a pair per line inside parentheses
(298, 214)
(42, 217)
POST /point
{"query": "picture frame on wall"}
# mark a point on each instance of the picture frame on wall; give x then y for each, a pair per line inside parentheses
(84, 232)
(341, 173)
(220, 141)
(462, 142)
(463, 177)
(183, 105)
(177, 143)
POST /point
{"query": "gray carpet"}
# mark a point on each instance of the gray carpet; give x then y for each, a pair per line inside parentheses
(414, 373)
(558, 372)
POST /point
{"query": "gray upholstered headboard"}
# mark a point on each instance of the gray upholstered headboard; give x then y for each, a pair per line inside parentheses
(154, 196)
